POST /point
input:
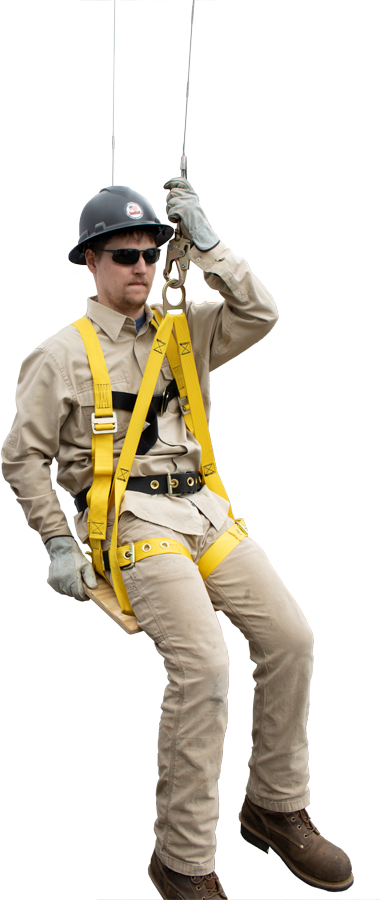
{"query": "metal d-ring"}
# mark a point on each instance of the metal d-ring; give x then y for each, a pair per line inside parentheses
(178, 307)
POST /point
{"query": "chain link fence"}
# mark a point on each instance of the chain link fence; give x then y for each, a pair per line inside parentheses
(311, 413)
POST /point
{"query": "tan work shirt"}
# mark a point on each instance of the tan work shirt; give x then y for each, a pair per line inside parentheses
(55, 401)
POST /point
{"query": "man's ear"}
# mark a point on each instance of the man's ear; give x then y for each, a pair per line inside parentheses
(91, 260)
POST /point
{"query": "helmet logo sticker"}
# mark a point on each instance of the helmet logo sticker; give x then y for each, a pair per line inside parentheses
(133, 210)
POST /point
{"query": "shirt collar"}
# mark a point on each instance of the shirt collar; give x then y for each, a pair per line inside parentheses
(111, 321)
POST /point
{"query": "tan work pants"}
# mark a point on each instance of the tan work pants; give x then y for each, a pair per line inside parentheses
(176, 608)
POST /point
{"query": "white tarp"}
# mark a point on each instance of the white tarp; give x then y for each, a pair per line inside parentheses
(42, 292)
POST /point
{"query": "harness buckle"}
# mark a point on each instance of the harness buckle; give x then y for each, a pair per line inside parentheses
(128, 555)
(171, 482)
(104, 420)
(183, 402)
(165, 401)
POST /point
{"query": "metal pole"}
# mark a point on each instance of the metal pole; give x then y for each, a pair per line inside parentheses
(184, 161)
(113, 103)
(351, 410)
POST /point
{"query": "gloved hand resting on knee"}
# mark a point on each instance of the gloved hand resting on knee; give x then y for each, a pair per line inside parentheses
(69, 568)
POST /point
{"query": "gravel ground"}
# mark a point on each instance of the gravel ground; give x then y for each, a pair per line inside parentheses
(106, 778)
(314, 513)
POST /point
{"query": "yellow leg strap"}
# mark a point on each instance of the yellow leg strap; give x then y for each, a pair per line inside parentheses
(221, 548)
(129, 554)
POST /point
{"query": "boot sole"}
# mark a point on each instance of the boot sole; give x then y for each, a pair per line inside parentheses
(258, 841)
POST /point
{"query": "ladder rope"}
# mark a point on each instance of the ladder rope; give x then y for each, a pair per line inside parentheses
(162, 88)
(183, 164)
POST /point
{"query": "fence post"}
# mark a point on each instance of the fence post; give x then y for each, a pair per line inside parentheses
(352, 399)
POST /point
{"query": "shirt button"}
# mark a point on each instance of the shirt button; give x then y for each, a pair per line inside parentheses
(198, 259)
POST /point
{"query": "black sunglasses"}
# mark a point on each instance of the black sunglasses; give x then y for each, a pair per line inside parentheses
(128, 257)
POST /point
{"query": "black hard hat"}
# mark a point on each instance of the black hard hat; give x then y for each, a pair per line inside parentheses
(114, 208)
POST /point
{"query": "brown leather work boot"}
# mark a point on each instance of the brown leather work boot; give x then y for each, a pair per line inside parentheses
(174, 886)
(301, 846)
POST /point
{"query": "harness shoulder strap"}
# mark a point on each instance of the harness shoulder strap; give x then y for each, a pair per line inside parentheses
(103, 422)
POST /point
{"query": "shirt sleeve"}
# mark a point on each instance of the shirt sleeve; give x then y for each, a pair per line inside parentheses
(43, 401)
(246, 314)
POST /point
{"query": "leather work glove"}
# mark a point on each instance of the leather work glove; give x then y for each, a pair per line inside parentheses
(183, 204)
(69, 568)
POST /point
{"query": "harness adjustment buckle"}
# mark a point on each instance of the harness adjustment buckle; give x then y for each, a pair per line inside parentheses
(184, 402)
(165, 401)
(171, 483)
(128, 555)
(101, 421)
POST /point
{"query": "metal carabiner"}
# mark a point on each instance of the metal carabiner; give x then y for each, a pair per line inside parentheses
(177, 251)
(177, 307)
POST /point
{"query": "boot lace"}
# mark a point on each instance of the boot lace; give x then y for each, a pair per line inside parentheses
(211, 884)
(309, 826)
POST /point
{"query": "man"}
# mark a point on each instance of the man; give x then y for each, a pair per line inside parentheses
(166, 499)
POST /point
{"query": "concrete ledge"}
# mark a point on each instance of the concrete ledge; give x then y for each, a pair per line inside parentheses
(344, 736)
(327, 580)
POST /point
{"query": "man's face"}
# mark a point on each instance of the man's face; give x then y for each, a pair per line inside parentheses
(123, 288)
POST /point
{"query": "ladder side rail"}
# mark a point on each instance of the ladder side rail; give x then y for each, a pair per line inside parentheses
(147, 132)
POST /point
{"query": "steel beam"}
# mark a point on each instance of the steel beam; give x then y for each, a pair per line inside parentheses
(74, 152)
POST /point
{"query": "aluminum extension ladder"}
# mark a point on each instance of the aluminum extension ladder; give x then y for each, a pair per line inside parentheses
(146, 97)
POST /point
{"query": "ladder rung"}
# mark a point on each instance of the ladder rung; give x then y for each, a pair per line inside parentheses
(173, 20)
(163, 162)
(170, 93)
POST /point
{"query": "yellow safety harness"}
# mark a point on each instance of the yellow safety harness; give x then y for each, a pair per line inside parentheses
(173, 340)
